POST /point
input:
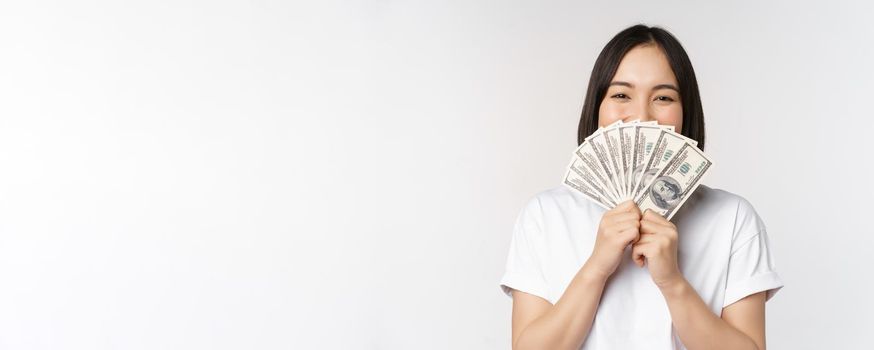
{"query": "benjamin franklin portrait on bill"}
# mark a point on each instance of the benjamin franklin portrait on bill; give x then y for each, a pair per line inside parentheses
(636, 173)
(665, 192)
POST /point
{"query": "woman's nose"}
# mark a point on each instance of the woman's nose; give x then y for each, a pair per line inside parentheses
(640, 113)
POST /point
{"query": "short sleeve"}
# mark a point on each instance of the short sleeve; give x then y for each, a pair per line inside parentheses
(523, 270)
(751, 266)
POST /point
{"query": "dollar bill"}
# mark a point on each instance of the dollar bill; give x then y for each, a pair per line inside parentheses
(576, 182)
(602, 128)
(645, 137)
(626, 135)
(611, 138)
(628, 160)
(675, 181)
(591, 162)
(608, 162)
(665, 148)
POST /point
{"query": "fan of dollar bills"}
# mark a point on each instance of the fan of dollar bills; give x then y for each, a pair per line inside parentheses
(643, 161)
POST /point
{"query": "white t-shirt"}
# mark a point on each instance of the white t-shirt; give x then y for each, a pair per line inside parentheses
(722, 251)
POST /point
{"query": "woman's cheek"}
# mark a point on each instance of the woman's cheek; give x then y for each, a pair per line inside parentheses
(608, 113)
(671, 116)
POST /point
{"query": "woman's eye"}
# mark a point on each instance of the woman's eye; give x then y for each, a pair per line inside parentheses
(623, 96)
(664, 98)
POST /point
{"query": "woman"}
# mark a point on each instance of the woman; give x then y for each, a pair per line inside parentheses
(584, 277)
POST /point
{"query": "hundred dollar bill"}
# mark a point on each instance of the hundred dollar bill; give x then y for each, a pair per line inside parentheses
(608, 162)
(637, 159)
(626, 136)
(674, 184)
(577, 182)
(602, 128)
(579, 167)
(611, 136)
(645, 137)
(688, 140)
(589, 158)
(665, 148)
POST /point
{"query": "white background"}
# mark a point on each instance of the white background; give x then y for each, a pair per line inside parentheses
(327, 175)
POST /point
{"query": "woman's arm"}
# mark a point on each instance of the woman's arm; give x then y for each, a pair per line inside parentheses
(537, 324)
(742, 325)
(697, 326)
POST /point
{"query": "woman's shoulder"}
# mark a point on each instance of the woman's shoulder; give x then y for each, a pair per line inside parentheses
(718, 198)
(558, 193)
(559, 200)
(714, 203)
(558, 197)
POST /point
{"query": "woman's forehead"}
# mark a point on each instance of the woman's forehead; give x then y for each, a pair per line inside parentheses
(645, 66)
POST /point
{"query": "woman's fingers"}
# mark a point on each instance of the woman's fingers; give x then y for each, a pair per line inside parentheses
(652, 232)
(649, 223)
(628, 206)
(621, 215)
(624, 217)
(639, 252)
(650, 227)
(619, 227)
(629, 235)
(650, 215)
(655, 237)
(627, 224)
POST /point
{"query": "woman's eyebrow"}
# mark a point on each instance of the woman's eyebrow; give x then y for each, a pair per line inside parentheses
(621, 83)
(657, 87)
(666, 86)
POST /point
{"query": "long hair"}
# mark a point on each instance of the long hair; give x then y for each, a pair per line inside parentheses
(608, 62)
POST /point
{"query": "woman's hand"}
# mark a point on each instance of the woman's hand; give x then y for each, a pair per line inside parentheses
(619, 227)
(657, 248)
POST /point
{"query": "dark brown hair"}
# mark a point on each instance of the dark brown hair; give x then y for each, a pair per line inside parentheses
(608, 62)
